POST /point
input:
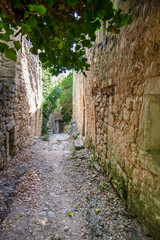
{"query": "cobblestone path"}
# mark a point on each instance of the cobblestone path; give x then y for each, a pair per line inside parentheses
(60, 196)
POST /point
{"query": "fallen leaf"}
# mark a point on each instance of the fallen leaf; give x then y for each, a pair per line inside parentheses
(70, 214)
(97, 210)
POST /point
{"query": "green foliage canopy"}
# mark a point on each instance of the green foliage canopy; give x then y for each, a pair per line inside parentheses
(65, 99)
(58, 96)
(50, 96)
(60, 29)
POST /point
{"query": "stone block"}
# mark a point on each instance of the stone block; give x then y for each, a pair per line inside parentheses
(106, 120)
(96, 104)
(1, 118)
(104, 128)
(110, 119)
(1, 87)
(134, 158)
(154, 197)
(129, 104)
(148, 161)
(128, 168)
(149, 179)
(10, 125)
(136, 178)
(16, 128)
(7, 72)
(78, 143)
(102, 112)
(16, 142)
(106, 112)
(152, 86)
(114, 109)
(126, 115)
(153, 70)
(1, 136)
(149, 124)
(134, 118)
(16, 135)
(24, 117)
(97, 109)
(7, 143)
(110, 100)
(140, 90)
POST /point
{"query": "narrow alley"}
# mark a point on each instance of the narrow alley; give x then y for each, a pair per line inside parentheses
(61, 196)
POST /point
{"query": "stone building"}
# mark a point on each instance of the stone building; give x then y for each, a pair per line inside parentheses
(55, 123)
(20, 102)
(117, 109)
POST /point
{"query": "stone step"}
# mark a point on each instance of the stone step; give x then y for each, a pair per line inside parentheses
(78, 143)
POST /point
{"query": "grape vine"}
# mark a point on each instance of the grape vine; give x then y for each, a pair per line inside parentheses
(59, 30)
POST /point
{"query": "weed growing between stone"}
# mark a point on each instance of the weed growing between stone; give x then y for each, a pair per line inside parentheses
(45, 136)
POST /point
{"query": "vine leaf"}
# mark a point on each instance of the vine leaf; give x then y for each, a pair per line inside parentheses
(70, 214)
(3, 46)
(17, 45)
(60, 45)
(10, 53)
(25, 28)
(9, 31)
(5, 37)
(32, 22)
(26, 15)
(59, 28)
(1, 25)
(97, 210)
(40, 9)
(130, 20)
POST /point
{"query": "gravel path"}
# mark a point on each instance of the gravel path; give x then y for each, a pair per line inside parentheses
(60, 196)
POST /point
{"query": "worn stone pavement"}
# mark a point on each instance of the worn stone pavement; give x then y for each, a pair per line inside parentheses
(60, 195)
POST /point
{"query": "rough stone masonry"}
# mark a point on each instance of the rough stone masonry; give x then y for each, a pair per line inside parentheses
(117, 109)
(20, 102)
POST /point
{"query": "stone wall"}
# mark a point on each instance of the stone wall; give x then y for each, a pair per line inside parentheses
(122, 110)
(20, 102)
